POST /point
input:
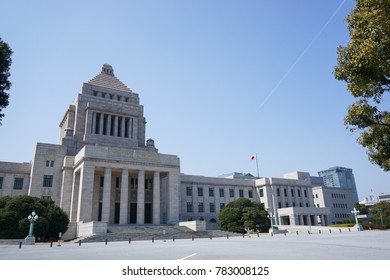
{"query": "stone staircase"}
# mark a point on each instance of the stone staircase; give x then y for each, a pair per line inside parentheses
(158, 232)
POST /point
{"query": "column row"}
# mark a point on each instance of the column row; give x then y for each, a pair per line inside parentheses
(124, 203)
(112, 125)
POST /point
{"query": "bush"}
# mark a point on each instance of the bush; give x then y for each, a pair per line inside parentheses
(343, 225)
(15, 210)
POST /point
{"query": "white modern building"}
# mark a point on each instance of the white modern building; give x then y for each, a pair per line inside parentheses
(104, 171)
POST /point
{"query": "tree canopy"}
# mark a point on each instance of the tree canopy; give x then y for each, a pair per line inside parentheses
(15, 210)
(5, 84)
(243, 215)
(365, 65)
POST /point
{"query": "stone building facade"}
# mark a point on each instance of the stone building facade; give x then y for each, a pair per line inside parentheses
(103, 170)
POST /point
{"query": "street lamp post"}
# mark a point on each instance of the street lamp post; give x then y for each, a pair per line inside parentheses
(271, 217)
(356, 212)
(32, 218)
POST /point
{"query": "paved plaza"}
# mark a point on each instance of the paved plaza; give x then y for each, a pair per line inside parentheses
(363, 245)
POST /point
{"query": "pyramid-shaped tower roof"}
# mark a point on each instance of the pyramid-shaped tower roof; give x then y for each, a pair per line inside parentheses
(107, 79)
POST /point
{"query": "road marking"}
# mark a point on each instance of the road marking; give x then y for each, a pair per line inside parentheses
(189, 256)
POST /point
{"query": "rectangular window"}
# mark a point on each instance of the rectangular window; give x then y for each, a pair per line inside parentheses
(241, 193)
(221, 206)
(287, 204)
(212, 207)
(134, 183)
(101, 181)
(211, 192)
(127, 127)
(305, 192)
(148, 184)
(51, 163)
(231, 192)
(200, 207)
(105, 121)
(131, 127)
(47, 163)
(112, 127)
(285, 192)
(18, 183)
(48, 180)
(97, 123)
(189, 191)
(47, 197)
(292, 192)
(1, 182)
(279, 204)
(250, 193)
(261, 192)
(189, 207)
(119, 132)
(299, 193)
(200, 191)
(221, 192)
(278, 191)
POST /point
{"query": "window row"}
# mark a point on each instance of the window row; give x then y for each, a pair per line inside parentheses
(338, 195)
(292, 192)
(50, 163)
(133, 183)
(287, 205)
(111, 96)
(18, 183)
(112, 125)
(201, 207)
(341, 215)
(340, 205)
(221, 192)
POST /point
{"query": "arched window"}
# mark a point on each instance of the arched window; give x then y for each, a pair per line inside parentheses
(212, 220)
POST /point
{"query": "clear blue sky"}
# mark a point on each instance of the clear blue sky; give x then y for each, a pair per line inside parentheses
(219, 80)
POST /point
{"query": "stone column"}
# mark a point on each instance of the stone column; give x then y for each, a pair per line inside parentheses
(101, 124)
(74, 196)
(123, 127)
(173, 196)
(108, 125)
(106, 195)
(156, 198)
(124, 205)
(141, 198)
(67, 184)
(85, 199)
(89, 122)
(115, 125)
(301, 220)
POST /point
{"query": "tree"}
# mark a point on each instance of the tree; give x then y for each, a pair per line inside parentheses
(5, 84)
(381, 209)
(15, 210)
(361, 207)
(365, 65)
(243, 215)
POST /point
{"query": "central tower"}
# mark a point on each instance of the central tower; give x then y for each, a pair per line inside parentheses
(105, 113)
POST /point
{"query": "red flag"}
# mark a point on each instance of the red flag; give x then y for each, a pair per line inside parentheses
(253, 157)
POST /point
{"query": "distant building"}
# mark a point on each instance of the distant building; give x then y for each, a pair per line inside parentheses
(339, 201)
(340, 177)
(290, 200)
(384, 197)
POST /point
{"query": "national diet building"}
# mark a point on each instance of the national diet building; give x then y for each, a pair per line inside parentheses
(103, 171)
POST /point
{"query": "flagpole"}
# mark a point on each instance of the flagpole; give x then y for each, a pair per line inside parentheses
(257, 165)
